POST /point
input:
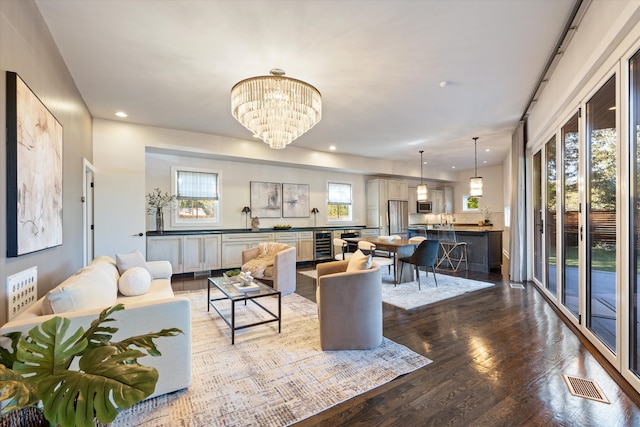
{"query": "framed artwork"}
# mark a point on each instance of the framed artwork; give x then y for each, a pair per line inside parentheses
(295, 201)
(34, 172)
(266, 199)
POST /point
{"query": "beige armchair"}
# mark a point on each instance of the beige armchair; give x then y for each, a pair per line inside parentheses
(349, 307)
(273, 263)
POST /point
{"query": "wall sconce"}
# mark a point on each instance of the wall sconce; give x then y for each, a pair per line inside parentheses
(246, 211)
(315, 212)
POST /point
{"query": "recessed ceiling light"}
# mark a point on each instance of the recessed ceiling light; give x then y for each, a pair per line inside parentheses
(444, 83)
(121, 114)
(453, 167)
(488, 149)
(332, 148)
(484, 161)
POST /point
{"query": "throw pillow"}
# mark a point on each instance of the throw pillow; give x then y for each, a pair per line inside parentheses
(134, 281)
(130, 260)
(91, 289)
(359, 261)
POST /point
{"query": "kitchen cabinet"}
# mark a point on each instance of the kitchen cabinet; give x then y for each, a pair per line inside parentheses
(305, 246)
(234, 244)
(201, 253)
(379, 192)
(448, 200)
(437, 199)
(397, 190)
(413, 199)
(166, 248)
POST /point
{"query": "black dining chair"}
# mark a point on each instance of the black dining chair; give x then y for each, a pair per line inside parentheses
(425, 255)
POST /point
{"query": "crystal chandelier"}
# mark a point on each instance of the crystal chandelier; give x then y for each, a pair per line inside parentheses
(422, 190)
(475, 183)
(277, 109)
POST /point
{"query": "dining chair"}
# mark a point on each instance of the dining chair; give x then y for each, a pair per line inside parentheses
(368, 247)
(454, 252)
(417, 239)
(341, 250)
(425, 255)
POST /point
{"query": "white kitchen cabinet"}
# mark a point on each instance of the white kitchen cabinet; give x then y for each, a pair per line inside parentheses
(413, 198)
(397, 190)
(291, 239)
(234, 244)
(448, 200)
(437, 199)
(305, 246)
(379, 192)
(201, 253)
(166, 248)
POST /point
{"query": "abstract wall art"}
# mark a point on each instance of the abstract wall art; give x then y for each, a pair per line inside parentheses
(34, 172)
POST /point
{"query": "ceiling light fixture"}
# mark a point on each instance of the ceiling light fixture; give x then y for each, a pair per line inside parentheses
(422, 190)
(475, 183)
(276, 108)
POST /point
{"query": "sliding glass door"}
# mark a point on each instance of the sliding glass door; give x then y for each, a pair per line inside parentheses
(570, 216)
(634, 258)
(601, 225)
(551, 281)
(537, 216)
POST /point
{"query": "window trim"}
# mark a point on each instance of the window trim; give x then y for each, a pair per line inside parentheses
(465, 204)
(340, 220)
(177, 222)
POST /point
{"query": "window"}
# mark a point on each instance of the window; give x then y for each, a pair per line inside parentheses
(470, 203)
(338, 202)
(197, 193)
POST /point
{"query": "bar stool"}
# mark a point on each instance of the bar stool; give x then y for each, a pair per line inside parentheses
(453, 251)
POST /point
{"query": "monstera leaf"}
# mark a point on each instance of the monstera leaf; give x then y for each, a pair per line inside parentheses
(107, 381)
(109, 377)
(16, 390)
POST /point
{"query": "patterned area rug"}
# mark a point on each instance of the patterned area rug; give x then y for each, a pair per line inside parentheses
(266, 378)
(407, 295)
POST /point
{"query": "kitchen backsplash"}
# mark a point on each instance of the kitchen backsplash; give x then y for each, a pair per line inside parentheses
(466, 218)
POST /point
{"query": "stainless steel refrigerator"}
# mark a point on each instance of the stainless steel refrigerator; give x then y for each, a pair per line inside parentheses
(398, 216)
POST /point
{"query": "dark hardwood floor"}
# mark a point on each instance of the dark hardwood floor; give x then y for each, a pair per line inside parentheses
(498, 358)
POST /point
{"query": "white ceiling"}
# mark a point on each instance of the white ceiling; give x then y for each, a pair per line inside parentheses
(378, 65)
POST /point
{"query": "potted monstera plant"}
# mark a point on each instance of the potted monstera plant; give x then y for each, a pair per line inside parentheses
(39, 370)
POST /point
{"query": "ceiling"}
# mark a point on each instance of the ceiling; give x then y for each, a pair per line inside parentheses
(380, 66)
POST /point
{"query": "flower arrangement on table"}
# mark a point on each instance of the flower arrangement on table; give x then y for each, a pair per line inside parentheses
(156, 202)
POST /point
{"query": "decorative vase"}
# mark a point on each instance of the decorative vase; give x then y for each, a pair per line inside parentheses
(159, 221)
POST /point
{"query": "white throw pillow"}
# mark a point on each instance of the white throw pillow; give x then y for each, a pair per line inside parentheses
(90, 289)
(134, 281)
(130, 260)
(359, 261)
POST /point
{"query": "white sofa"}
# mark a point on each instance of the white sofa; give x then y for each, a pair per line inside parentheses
(152, 311)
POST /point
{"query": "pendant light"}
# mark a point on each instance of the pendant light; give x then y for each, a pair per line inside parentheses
(422, 190)
(475, 183)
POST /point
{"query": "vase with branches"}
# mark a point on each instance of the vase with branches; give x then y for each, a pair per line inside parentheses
(156, 202)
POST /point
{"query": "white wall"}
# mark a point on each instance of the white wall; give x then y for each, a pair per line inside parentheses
(27, 48)
(237, 175)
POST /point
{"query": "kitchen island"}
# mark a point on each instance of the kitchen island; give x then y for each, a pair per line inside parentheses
(484, 243)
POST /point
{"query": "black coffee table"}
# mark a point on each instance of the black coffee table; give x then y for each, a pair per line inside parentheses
(231, 293)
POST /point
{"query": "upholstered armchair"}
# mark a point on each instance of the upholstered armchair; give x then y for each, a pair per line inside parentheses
(349, 306)
(273, 263)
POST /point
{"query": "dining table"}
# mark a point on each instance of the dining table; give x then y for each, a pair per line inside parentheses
(400, 247)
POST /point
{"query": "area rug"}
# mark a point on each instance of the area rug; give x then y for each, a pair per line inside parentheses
(407, 296)
(266, 378)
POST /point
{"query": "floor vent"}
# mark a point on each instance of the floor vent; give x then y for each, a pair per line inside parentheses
(585, 388)
(516, 285)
